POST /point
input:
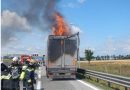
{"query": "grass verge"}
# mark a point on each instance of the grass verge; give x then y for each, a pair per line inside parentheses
(117, 67)
(7, 60)
(104, 84)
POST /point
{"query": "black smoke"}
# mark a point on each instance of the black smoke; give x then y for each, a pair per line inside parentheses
(40, 13)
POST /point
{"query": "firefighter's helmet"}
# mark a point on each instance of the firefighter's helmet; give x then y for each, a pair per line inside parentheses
(24, 67)
(15, 59)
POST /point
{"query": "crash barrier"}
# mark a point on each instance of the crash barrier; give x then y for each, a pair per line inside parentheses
(110, 78)
(80, 73)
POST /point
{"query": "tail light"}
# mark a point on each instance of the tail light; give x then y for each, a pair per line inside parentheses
(73, 73)
(50, 73)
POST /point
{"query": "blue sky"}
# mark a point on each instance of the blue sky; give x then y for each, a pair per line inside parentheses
(104, 26)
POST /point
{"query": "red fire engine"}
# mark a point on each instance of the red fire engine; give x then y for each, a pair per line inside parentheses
(25, 57)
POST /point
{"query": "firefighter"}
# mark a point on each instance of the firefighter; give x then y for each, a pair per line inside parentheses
(24, 70)
(27, 75)
(15, 70)
(15, 64)
(23, 76)
(32, 68)
(3, 67)
(4, 74)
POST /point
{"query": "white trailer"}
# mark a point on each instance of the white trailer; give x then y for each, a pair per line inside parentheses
(62, 56)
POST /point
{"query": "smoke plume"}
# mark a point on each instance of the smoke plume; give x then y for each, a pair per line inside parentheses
(12, 23)
(40, 12)
(75, 29)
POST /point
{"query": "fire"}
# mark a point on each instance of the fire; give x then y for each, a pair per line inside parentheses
(59, 27)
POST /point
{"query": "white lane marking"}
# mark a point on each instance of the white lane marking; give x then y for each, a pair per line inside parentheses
(39, 74)
(39, 81)
(88, 85)
(38, 84)
(21, 85)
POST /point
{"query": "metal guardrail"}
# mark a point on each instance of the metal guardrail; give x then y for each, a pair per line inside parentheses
(120, 80)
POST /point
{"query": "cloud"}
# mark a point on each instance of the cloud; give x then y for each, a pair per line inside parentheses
(13, 39)
(74, 29)
(70, 5)
(11, 20)
(124, 45)
(12, 23)
(30, 49)
(76, 4)
(113, 46)
(19, 49)
(37, 35)
(33, 50)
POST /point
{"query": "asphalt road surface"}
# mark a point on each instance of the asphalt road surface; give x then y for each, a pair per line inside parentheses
(43, 83)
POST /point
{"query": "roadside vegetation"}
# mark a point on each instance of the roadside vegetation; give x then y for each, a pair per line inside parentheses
(118, 67)
(104, 84)
(7, 60)
(88, 55)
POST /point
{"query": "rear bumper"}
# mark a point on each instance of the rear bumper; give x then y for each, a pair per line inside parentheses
(61, 73)
(62, 76)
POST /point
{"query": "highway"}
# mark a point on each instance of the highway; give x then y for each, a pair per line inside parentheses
(43, 83)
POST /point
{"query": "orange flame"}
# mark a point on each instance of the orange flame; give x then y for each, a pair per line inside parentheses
(59, 27)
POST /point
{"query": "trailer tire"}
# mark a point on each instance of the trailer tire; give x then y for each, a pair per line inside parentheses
(47, 76)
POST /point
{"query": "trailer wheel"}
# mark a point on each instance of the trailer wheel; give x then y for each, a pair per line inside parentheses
(47, 76)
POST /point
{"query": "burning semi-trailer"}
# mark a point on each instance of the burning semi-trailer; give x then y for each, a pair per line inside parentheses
(62, 50)
(62, 56)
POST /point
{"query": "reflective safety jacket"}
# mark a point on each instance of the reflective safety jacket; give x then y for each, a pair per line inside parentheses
(15, 72)
(23, 73)
(27, 73)
(22, 76)
(5, 76)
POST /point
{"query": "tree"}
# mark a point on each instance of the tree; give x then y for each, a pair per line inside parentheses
(88, 55)
(108, 57)
(98, 58)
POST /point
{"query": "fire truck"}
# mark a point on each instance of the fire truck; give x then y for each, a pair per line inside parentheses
(25, 57)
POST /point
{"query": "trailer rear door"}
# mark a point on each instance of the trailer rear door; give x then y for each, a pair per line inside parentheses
(70, 52)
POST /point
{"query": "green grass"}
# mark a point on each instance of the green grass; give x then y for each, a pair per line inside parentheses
(7, 60)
